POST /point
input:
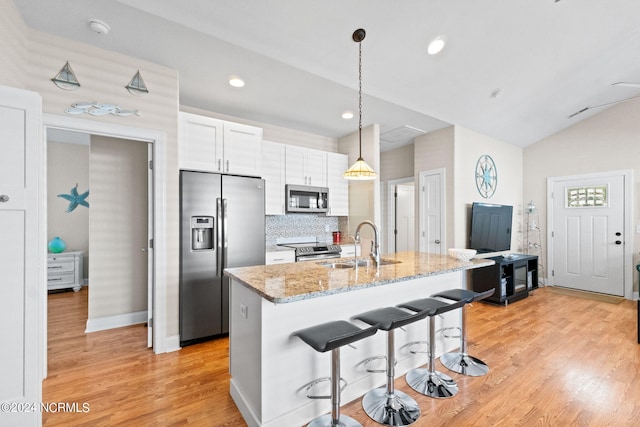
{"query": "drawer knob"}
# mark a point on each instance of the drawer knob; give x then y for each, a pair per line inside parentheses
(4, 198)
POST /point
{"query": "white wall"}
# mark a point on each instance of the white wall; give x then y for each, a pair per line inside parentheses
(469, 146)
(608, 141)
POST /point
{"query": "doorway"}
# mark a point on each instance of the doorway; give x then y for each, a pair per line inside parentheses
(401, 215)
(156, 249)
(589, 227)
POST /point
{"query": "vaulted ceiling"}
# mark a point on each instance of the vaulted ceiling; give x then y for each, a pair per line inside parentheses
(514, 70)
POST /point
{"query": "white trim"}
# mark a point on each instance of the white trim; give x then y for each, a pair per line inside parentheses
(628, 266)
(443, 200)
(117, 321)
(158, 139)
(172, 343)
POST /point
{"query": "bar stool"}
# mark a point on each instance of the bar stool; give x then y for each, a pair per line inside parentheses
(429, 381)
(460, 361)
(332, 336)
(384, 404)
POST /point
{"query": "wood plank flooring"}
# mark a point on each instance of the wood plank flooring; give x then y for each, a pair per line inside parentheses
(555, 361)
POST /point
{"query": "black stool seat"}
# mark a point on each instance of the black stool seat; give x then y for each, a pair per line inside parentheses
(331, 335)
(432, 306)
(388, 318)
(460, 361)
(429, 381)
(463, 294)
(385, 404)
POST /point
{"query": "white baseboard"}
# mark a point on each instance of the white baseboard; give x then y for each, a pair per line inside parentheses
(117, 321)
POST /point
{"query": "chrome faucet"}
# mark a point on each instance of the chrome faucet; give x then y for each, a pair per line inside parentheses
(375, 245)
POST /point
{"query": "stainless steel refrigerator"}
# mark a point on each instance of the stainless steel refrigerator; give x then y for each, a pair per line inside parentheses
(221, 225)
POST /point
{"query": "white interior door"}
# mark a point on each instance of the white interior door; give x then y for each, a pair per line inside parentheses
(22, 251)
(588, 235)
(431, 211)
(405, 217)
(149, 249)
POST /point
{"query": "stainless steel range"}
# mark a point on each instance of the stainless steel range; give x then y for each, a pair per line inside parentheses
(313, 251)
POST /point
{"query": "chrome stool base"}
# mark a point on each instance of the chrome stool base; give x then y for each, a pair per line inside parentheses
(432, 384)
(327, 421)
(464, 364)
(398, 409)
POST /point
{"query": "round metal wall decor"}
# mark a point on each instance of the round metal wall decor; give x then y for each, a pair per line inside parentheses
(486, 176)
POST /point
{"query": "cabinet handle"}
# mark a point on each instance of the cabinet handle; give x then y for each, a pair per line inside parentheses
(437, 242)
(4, 198)
(219, 165)
(227, 165)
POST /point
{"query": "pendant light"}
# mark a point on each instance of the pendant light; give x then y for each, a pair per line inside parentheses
(360, 169)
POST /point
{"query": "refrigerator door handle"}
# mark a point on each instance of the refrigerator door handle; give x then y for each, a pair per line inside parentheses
(219, 226)
(225, 225)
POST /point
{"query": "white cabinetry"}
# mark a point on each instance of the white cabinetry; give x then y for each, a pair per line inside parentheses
(280, 257)
(306, 166)
(64, 270)
(338, 186)
(211, 145)
(272, 165)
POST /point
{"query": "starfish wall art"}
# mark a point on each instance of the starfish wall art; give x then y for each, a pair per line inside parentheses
(75, 199)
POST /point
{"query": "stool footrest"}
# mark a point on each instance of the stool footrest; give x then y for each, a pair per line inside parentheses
(443, 331)
(368, 360)
(317, 381)
(410, 346)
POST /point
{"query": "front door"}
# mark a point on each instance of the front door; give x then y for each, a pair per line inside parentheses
(588, 233)
(22, 250)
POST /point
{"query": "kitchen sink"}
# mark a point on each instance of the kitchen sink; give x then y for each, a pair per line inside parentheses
(336, 264)
(360, 263)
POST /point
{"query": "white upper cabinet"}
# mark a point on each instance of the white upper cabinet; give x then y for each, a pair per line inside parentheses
(212, 145)
(272, 165)
(338, 186)
(306, 166)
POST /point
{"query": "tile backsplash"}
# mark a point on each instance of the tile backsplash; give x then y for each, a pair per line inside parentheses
(299, 225)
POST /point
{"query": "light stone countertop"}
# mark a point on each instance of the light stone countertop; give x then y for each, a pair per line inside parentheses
(283, 283)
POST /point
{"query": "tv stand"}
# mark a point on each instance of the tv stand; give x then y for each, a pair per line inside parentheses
(512, 277)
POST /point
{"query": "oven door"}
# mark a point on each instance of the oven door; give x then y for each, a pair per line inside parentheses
(316, 257)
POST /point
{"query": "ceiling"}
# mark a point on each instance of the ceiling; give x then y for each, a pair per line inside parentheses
(547, 59)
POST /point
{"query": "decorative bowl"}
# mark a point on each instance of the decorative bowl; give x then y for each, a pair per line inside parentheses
(462, 254)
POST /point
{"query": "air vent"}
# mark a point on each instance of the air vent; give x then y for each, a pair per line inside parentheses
(400, 135)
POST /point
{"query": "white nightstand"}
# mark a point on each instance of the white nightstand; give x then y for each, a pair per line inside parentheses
(64, 270)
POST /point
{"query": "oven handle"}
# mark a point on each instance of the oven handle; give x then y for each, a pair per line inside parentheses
(316, 257)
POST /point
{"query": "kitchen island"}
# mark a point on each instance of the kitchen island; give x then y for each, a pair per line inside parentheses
(270, 369)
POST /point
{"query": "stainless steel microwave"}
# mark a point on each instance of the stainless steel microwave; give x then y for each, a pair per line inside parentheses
(304, 198)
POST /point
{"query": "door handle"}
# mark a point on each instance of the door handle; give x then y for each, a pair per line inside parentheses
(4, 198)
(437, 242)
(618, 242)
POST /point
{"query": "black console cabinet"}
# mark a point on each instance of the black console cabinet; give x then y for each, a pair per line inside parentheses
(512, 278)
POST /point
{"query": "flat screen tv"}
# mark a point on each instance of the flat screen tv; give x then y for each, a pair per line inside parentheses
(490, 227)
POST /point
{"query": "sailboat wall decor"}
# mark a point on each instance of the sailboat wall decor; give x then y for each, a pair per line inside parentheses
(136, 86)
(66, 78)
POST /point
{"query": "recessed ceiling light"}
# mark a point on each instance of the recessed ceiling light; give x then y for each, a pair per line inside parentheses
(347, 115)
(236, 81)
(436, 45)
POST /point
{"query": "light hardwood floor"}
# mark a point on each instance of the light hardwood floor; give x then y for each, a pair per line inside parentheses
(555, 361)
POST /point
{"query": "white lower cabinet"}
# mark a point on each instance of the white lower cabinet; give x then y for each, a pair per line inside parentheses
(64, 270)
(280, 257)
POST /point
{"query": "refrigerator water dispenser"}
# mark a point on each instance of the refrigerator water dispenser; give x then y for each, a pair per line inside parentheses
(201, 233)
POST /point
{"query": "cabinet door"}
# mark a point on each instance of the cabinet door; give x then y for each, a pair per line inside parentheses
(200, 143)
(316, 168)
(295, 159)
(338, 186)
(242, 149)
(272, 166)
